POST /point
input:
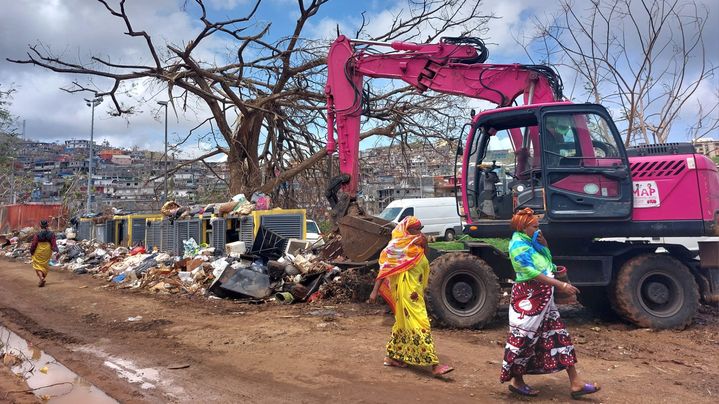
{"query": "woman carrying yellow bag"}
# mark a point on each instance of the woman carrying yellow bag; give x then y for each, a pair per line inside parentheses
(402, 278)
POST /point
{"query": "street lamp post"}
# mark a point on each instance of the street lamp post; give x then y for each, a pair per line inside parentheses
(91, 103)
(164, 104)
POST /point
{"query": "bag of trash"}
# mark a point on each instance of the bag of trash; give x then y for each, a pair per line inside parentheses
(190, 248)
(240, 198)
(227, 207)
(138, 250)
(169, 207)
(70, 233)
(261, 201)
(218, 267)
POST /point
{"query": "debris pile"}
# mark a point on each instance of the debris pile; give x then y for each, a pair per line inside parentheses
(273, 268)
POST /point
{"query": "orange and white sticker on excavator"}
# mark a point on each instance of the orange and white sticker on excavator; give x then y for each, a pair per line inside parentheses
(646, 194)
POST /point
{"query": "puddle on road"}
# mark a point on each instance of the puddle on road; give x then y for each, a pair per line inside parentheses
(147, 378)
(40, 369)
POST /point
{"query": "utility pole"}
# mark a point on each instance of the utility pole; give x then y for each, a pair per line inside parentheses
(91, 103)
(13, 157)
(164, 104)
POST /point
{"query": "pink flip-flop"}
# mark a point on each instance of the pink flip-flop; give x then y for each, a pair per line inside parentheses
(440, 370)
(394, 363)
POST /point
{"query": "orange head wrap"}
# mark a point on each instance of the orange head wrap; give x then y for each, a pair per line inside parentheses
(523, 218)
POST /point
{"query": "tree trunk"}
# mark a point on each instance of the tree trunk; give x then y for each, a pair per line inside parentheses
(243, 161)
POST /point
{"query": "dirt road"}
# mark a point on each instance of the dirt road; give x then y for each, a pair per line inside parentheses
(235, 352)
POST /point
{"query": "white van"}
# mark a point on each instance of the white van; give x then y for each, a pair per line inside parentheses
(438, 215)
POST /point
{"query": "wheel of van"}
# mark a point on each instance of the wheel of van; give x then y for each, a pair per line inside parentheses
(596, 300)
(449, 235)
(463, 291)
(655, 291)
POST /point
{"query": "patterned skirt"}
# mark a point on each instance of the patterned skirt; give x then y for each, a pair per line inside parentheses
(411, 341)
(538, 342)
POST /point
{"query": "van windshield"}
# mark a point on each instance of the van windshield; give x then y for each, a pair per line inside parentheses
(312, 227)
(390, 213)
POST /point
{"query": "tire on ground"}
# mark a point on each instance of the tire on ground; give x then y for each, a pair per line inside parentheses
(449, 235)
(596, 300)
(463, 291)
(655, 291)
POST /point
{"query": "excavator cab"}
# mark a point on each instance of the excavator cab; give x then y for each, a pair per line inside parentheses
(564, 161)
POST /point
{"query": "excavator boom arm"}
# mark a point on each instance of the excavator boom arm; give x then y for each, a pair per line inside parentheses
(448, 68)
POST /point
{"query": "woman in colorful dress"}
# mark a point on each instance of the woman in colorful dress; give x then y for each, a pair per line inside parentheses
(402, 278)
(538, 342)
(43, 244)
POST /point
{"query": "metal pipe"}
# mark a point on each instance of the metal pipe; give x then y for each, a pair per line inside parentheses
(165, 198)
(366, 42)
(164, 104)
(88, 209)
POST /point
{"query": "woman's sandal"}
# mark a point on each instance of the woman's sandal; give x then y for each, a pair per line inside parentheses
(394, 363)
(525, 390)
(589, 388)
(41, 283)
(440, 370)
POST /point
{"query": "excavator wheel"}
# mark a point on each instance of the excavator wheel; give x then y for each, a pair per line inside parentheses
(655, 291)
(463, 291)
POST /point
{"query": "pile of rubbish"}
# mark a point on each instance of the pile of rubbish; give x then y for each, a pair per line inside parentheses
(238, 205)
(272, 268)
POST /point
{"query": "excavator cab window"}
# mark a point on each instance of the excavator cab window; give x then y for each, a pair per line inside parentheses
(500, 159)
(584, 174)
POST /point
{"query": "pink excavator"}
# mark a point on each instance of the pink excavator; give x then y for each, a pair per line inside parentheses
(566, 161)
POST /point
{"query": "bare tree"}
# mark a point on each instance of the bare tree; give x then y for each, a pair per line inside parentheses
(645, 58)
(8, 148)
(266, 101)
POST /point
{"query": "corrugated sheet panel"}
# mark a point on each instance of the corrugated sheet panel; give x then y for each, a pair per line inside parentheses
(110, 231)
(246, 230)
(16, 217)
(138, 231)
(219, 233)
(169, 240)
(286, 225)
(186, 229)
(153, 235)
(100, 233)
(83, 230)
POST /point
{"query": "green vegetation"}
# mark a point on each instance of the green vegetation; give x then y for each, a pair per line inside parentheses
(501, 244)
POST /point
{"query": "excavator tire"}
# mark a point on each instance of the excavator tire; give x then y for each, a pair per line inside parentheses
(655, 291)
(463, 291)
(596, 300)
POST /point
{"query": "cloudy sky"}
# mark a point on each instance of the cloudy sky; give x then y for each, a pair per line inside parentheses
(77, 29)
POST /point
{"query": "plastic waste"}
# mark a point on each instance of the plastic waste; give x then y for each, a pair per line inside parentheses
(218, 267)
(259, 266)
(185, 276)
(239, 198)
(284, 297)
(247, 282)
(190, 248)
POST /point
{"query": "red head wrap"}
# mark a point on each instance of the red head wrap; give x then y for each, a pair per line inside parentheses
(523, 218)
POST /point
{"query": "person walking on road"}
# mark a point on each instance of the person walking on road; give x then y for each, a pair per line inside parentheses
(538, 342)
(402, 278)
(43, 245)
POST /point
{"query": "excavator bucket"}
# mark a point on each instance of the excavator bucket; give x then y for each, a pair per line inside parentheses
(364, 237)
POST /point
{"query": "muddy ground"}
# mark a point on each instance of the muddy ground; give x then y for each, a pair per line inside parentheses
(236, 352)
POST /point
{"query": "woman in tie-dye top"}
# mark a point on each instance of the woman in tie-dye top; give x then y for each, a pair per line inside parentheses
(538, 342)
